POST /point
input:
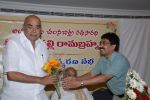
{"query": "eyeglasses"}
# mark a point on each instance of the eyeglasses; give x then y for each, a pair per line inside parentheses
(29, 26)
(104, 43)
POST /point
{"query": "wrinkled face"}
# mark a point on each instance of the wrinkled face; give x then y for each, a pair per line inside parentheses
(32, 28)
(70, 73)
(106, 48)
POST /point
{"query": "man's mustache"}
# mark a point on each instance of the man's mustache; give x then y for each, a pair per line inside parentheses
(98, 47)
(101, 48)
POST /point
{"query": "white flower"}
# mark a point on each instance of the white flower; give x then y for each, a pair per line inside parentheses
(149, 90)
(131, 94)
(144, 83)
(136, 75)
(133, 83)
(140, 87)
(129, 72)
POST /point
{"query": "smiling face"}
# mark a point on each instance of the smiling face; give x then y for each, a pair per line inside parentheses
(70, 72)
(109, 43)
(106, 48)
(32, 28)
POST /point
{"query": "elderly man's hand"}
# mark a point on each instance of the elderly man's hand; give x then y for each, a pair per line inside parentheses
(49, 80)
(70, 83)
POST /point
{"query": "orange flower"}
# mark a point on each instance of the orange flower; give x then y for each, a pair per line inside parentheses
(54, 63)
(51, 66)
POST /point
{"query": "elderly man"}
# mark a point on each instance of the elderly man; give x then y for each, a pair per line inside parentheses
(23, 58)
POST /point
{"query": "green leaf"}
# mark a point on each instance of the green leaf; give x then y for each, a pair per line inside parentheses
(54, 71)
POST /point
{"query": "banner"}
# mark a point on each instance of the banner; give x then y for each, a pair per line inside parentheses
(74, 41)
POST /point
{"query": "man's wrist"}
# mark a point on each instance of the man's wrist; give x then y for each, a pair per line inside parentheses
(82, 84)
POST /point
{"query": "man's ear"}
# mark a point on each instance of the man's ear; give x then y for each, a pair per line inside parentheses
(23, 27)
(114, 46)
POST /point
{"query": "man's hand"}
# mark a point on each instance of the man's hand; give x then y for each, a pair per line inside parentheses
(70, 83)
(49, 80)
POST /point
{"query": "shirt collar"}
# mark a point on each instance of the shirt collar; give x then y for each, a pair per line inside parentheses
(24, 39)
(111, 57)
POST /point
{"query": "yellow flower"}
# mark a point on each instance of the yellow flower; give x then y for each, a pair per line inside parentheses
(54, 63)
(52, 66)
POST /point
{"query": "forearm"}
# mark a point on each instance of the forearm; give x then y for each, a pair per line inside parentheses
(86, 76)
(20, 77)
(97, 79)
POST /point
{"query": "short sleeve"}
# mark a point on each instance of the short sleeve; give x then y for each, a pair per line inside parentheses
(97, 68)
(118, 67)
(10, 57)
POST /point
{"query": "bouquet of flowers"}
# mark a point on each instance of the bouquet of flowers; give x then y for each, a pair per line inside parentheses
(136, 88)
(51, 68)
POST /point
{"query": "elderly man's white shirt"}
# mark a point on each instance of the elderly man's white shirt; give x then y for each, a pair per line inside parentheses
(21, 57)
(69, 95)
